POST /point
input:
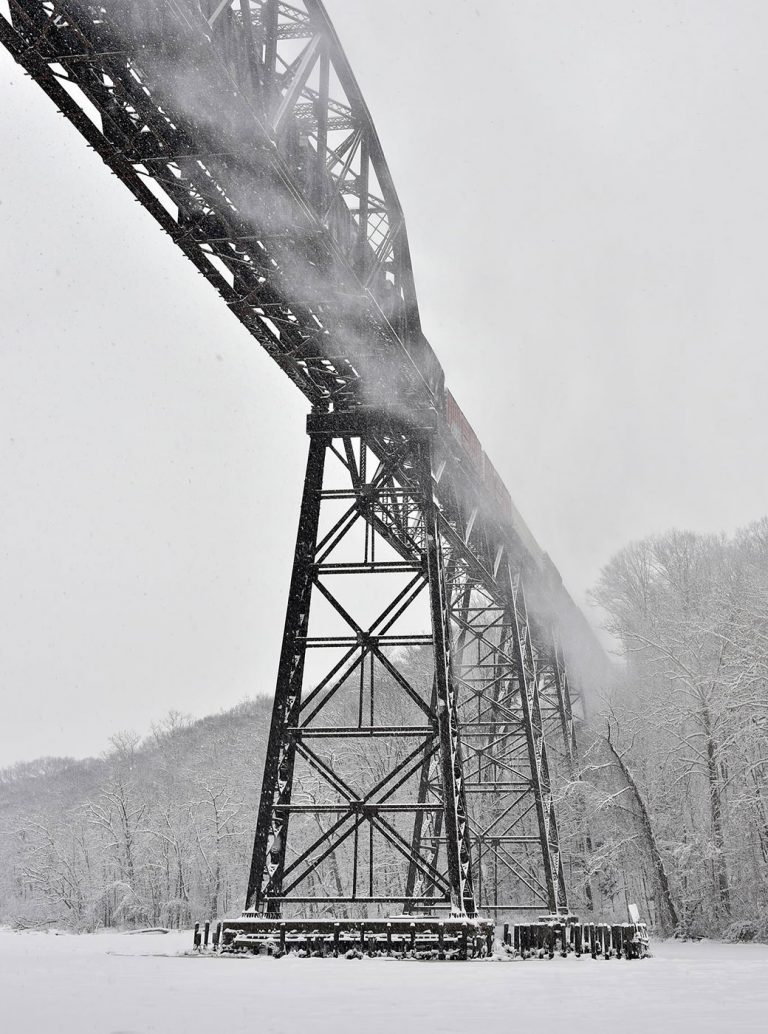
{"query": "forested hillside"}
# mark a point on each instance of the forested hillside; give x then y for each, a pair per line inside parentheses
(159, 831)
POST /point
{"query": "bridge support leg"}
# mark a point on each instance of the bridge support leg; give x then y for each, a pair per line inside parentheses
(365, 701)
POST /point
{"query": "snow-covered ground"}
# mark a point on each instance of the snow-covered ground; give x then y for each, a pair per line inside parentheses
(118, 984)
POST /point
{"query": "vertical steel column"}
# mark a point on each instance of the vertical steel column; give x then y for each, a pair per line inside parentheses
(429, 775)
(537, 749)
(568, 726)
(268, 859)
(270, 17)
(565, 707)
(455, 805)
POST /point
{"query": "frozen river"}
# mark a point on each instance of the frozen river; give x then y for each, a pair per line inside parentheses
(118, 984)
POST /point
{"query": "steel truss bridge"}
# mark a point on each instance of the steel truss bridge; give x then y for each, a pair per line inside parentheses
(423, 704)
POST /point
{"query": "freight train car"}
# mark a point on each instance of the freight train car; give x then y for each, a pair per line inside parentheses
(462, 431)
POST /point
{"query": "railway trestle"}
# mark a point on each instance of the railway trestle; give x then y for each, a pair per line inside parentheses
(425, 706)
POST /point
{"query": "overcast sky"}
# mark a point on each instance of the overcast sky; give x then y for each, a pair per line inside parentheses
(585, 189)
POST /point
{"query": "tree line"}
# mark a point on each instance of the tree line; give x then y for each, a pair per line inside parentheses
(682, 734)
(156, 833)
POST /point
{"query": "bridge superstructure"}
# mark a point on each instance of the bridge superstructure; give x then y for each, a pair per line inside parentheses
(422, 698)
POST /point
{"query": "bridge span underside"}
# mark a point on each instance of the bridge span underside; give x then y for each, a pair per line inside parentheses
(423, 711)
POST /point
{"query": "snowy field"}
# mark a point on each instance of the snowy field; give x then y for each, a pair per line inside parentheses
(118, 984)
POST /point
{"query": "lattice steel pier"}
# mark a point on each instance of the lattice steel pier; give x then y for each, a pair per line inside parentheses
(415, 747)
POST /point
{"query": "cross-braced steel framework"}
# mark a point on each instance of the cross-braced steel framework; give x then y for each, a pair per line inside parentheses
(504, 715)
(372, 717)
(240, 127)
(448, 769)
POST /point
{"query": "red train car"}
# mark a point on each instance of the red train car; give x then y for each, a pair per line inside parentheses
(462, 431)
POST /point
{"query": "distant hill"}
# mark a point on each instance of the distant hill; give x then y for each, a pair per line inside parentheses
(157, 831)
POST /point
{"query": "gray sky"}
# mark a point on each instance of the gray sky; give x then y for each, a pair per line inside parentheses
(584, 185)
